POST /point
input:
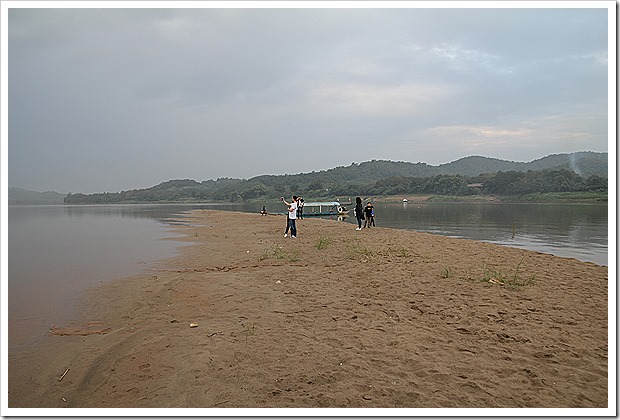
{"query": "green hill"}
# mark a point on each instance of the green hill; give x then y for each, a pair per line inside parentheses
(380, 177)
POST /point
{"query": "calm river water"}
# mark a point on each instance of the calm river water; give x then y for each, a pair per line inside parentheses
(56, 252)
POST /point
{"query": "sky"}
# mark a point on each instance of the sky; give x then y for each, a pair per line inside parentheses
(111, 99)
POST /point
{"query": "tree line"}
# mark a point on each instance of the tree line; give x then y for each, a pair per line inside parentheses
(504, 183)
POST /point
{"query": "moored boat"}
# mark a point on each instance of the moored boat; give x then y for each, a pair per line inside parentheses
(324, 208)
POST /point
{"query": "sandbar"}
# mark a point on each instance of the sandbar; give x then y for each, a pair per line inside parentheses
(335, 318)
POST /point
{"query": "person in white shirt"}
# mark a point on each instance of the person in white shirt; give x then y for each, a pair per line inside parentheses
(291, 217)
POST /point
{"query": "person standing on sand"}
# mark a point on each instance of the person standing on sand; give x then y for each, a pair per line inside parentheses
(372, 217)
(300, 208)
(369, 213)
(291, 217)
(359, 212)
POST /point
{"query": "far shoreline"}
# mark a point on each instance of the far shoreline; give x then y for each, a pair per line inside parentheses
(580, 197)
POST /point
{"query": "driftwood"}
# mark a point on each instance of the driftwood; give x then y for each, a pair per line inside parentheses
(88, 329)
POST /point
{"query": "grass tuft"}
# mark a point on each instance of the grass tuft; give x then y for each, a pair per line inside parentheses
(399, 252)
(323, 243)
(279, 253)
(516, 280)
(447, 272)
(356, 250)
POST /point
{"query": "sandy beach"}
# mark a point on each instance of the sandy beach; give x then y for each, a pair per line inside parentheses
(384, 318)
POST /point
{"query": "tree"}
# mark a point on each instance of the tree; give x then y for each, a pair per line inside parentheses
(315, 185)
(595, 183)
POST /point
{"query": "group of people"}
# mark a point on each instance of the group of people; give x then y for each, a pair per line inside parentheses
(367, 214)
(295, 211)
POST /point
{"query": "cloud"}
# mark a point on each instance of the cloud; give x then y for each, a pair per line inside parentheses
(111, 99)
(366, 100)
(522, 140)
(460, 58)
(473, 139)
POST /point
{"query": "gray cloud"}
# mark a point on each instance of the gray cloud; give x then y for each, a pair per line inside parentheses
(112, 99)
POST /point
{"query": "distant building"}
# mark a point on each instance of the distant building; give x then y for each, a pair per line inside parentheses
(475, 185)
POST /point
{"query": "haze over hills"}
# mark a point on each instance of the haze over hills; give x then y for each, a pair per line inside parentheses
(584, 164)
(20, 196)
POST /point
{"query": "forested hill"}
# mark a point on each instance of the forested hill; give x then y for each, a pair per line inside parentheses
(583, 163)
(574, 172)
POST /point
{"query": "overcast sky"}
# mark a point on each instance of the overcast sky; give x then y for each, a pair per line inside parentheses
(116, 99)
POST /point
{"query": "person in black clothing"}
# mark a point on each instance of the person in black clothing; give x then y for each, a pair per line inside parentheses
(369, 212)
(300, 208)
(359, 212)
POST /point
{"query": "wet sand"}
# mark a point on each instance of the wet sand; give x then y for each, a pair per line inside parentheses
(382, 318)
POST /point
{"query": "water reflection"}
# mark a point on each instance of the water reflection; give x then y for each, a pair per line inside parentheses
(578, 231)
(56, 252)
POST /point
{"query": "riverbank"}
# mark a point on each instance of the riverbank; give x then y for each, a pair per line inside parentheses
(583, 197)
(578, 197)
(334, 318)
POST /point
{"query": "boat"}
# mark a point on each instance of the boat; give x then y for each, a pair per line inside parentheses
(405, 200)
(324, 208)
